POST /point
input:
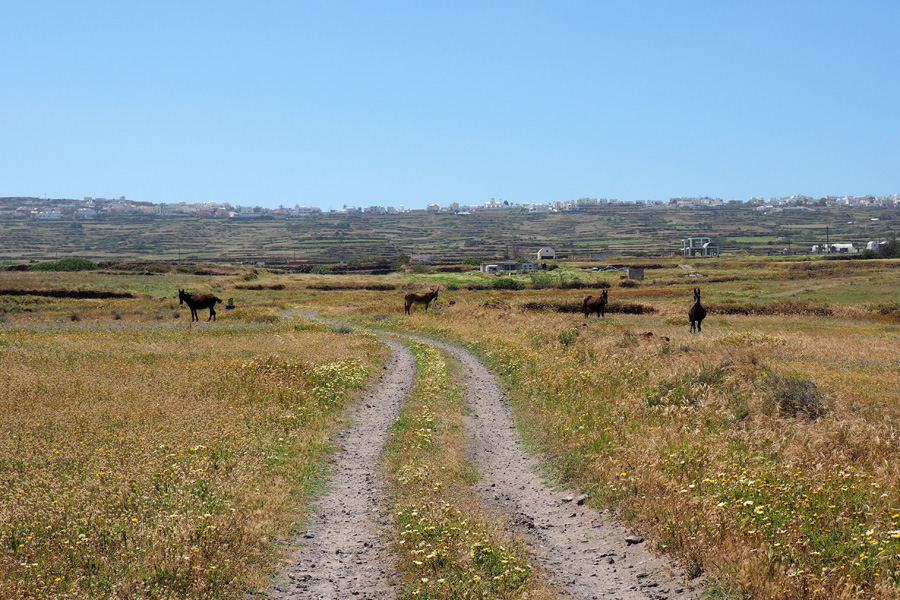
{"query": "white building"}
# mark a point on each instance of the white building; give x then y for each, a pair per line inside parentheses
(546, 253)
(835, 249)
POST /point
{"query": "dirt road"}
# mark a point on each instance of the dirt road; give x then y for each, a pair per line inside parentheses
(588, 555)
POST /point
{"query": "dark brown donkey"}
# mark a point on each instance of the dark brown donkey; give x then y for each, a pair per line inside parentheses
(696, 313)
(595, 304)
(420, 298)
(195, 301)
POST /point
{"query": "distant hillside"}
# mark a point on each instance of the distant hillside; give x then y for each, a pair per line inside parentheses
(332, 238)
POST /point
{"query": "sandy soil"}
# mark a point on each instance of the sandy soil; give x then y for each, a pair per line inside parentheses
(587, 554)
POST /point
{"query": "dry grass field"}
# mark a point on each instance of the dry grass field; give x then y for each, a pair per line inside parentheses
(761, 452)
(143, 457)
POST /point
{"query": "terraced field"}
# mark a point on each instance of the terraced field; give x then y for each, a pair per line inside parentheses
(366, 238)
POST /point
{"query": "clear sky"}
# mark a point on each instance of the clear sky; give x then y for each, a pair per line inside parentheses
(329, 103)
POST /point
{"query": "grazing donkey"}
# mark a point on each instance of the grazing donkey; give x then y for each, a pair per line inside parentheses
(696, 313)
(195, 301)
(420, 298)
(595, 304)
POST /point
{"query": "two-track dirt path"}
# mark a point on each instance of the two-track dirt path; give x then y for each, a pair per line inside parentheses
(587, 555)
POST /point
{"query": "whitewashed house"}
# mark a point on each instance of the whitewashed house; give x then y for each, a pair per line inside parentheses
(546, 253)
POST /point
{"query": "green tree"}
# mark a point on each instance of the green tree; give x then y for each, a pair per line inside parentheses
(399, 261)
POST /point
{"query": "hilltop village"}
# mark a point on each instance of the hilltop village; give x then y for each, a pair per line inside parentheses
(93, 208)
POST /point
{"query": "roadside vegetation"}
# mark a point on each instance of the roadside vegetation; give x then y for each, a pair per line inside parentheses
(143, 458)
(761, 452)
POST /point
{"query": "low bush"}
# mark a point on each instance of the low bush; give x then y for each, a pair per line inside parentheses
(65, 264)
(795, 395)
(506, 283)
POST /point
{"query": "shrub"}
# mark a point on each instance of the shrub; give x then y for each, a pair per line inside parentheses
(541, 280)
(471, 261)
(507, 283)
(796, 395)
(567, 337)
(574, 285)
(399, 261)
(321, 270)
(889, 250)
(65, 264)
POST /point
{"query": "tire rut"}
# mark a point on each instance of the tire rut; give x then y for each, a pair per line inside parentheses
(339, 556)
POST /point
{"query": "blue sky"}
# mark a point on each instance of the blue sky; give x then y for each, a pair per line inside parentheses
(407, 103)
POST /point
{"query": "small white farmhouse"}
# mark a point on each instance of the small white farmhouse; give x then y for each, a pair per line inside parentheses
(545, 253)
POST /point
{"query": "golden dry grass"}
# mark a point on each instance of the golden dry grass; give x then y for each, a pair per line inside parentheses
(154, 460)
(697, 440)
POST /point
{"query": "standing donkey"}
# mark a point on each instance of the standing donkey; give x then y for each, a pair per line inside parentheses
(195, 301)
(696, 313)
(421, 298)
(595, 304)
